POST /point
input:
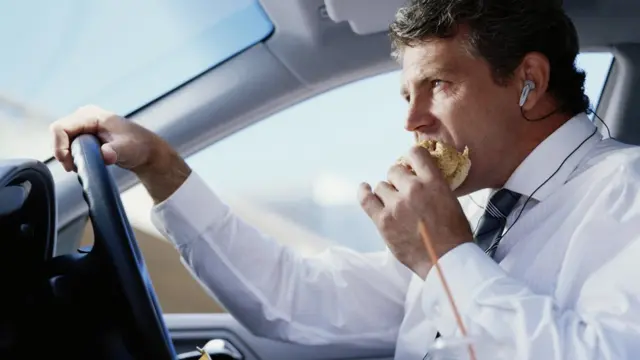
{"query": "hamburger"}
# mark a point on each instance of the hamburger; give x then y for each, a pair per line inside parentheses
(453, 164)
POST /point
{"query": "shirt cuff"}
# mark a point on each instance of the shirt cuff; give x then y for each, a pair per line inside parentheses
(189, 211)
(467, 270)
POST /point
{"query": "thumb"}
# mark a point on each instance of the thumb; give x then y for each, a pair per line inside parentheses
(109, 154)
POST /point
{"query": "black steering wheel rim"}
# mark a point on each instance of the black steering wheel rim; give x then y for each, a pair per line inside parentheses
(115, 240)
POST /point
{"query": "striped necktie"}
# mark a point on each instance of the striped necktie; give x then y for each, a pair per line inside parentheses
(489, 230)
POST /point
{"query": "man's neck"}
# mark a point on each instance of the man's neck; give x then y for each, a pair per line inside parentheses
(529, 136)
(532, 135)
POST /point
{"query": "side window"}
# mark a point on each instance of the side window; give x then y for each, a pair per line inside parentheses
(294, 175)
(311, 158)
(597, 67)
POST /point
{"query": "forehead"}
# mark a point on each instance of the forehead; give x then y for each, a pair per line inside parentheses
(424, 59)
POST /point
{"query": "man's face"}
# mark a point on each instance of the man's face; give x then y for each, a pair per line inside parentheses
(453, 98)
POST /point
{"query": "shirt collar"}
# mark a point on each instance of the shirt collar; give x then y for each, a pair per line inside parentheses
(563, 145)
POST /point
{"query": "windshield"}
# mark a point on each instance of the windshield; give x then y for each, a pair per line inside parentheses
(119, 55)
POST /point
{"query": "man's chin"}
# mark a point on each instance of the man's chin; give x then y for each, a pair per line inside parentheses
(466, 188)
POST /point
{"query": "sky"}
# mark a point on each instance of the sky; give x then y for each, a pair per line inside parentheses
(121, 54)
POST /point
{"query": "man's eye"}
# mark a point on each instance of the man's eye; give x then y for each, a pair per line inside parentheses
(437, 83)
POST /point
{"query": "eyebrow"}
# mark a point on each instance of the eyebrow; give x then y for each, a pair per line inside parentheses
(427, 77)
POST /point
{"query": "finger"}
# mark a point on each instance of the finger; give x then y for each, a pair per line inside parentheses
(109, 154)
(370, 203)
(77, 125)
(61, 149)
(401, 177)
(422, 163)
(66, 129)
(387, 193)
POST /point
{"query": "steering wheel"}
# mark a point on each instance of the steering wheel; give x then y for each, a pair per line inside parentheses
(116, 245)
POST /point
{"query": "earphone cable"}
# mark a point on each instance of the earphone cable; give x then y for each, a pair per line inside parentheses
(546, 181)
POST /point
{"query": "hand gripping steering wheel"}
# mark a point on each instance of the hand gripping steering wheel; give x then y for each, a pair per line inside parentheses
(117, 250)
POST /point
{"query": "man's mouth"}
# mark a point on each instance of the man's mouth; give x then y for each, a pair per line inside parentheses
(421, 139)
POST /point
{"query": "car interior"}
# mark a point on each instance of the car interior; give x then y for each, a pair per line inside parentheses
(103, 297)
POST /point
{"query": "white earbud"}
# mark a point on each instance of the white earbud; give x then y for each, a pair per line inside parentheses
(528, 86)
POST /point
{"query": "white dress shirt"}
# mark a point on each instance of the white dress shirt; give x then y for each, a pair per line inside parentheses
(565, 286)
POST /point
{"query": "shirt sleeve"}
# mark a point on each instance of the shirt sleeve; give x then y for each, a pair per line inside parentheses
(338, 296)
(603, 320)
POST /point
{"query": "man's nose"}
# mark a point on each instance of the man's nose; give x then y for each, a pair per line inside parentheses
(419, 119)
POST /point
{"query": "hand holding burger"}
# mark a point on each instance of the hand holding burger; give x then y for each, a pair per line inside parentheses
(419, 187)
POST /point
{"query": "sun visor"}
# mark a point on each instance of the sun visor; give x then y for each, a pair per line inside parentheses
(364, 16)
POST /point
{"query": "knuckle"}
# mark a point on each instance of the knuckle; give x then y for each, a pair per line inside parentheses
(379, 187)
(84, 109)
(415, 188)
(366, 199)
(416, 151)
(108, 118)
(92, 113)
(90, 107)
(386, 220)
(55, 126)
(395, 168)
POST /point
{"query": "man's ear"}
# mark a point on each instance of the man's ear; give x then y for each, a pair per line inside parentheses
(535, 68)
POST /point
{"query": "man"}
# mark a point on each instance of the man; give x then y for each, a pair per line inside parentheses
(561, 231)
